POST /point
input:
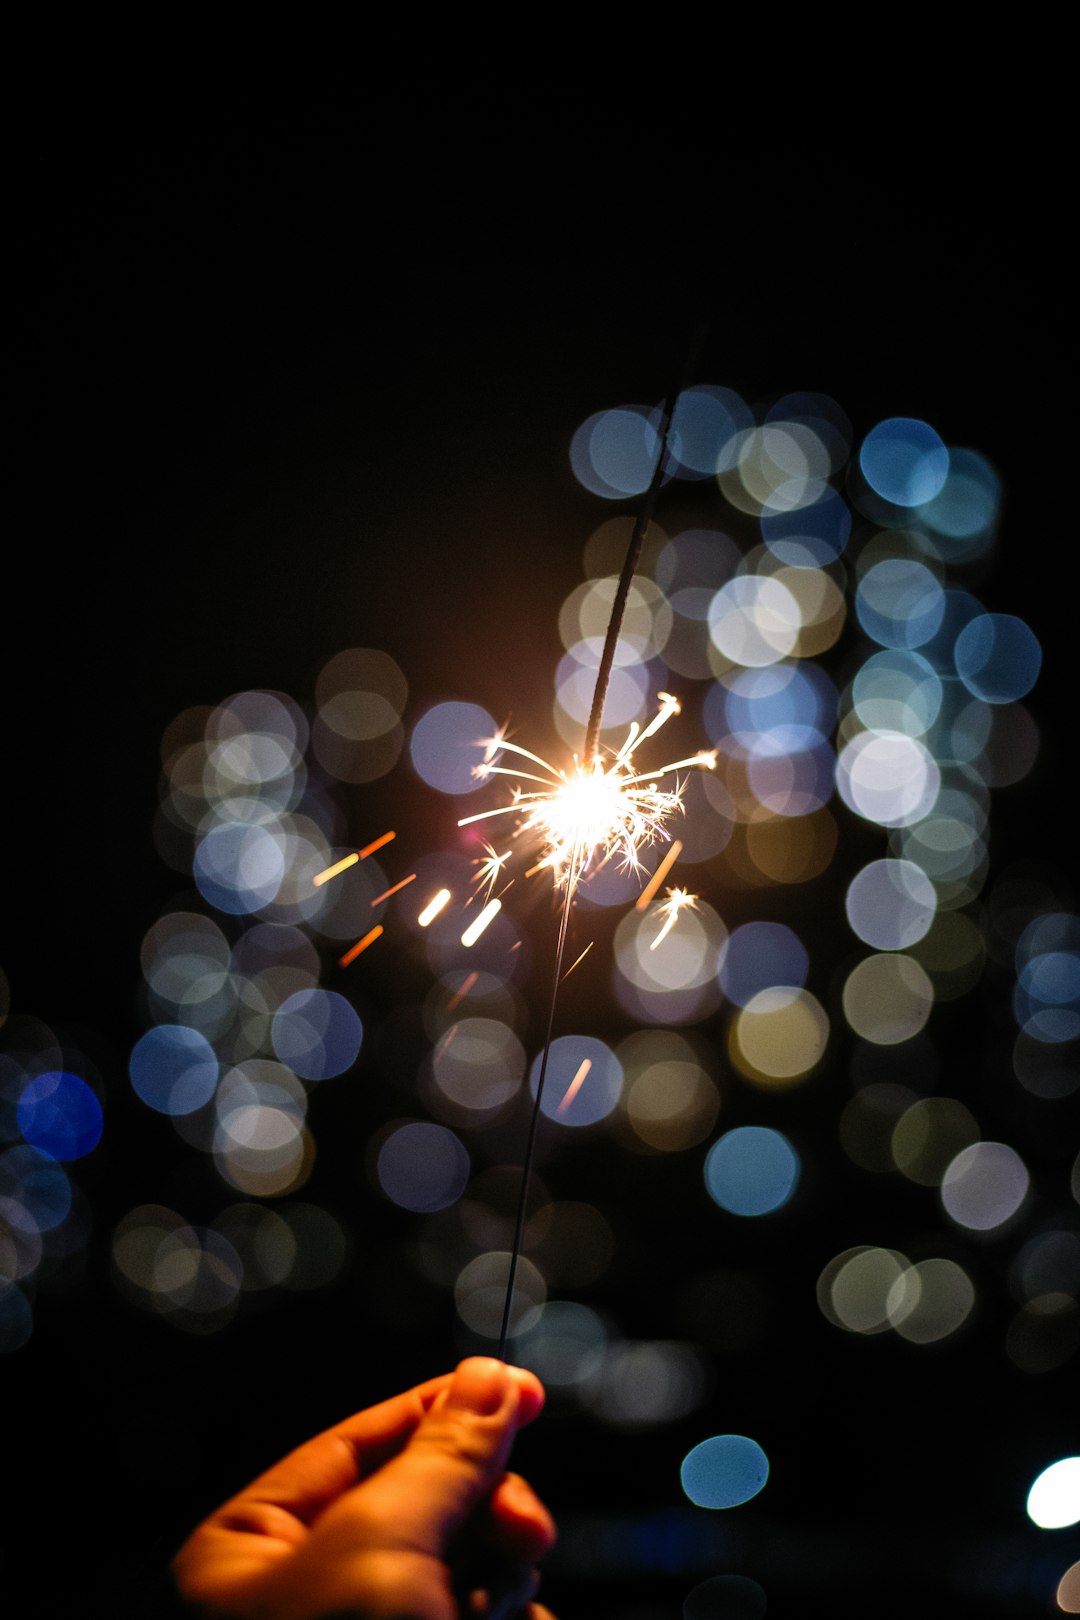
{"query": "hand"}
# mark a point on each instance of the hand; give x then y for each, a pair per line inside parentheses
(377, 1518)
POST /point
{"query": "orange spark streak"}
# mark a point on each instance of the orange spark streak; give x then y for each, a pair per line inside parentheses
(369, 849)
(581, 958)
(659, 875)
(460, 994)
(379, 898)
(361, 945)
(332, 871)
(575, 1086)
(433, 907)
(350, 860)
(475, 929)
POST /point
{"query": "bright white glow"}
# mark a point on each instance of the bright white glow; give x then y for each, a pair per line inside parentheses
(433, 907)
(475, 929)
(1054, 1499)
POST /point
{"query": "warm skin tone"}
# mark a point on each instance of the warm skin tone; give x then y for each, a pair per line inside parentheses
(371, 1519)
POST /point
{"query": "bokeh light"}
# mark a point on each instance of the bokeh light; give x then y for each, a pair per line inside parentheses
(60, 1116)
(751, 1170)
(1053, 1502)
(984, 1186)
(724, 1471)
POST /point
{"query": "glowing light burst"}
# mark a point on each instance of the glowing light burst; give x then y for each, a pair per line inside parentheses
(593, 812)
(677, 900)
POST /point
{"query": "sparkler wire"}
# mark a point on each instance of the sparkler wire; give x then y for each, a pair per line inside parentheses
(530, 1145)
(592, 740)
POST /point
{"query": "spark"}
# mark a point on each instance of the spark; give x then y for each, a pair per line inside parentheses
(677, 900)
(433, 907)
(350, 860)
(591, 813)
(475, 929)
(581, 958)
(490, 869)
(659, 875)
(462, 991)
(361, 945)
(332, 871)
(575, 1086)
(377, 843)
(379, 898)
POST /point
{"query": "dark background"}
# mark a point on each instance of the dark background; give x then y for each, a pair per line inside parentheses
(292, 383)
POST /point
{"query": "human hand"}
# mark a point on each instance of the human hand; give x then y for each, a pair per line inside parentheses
(376, 1518)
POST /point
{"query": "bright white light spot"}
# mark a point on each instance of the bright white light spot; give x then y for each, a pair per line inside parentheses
(1054, 1499)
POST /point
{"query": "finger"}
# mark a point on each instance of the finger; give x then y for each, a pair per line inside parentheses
(316, 1473)
(451, 1463)
(515, 1521)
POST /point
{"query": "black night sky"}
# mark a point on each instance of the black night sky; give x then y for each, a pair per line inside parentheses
(290, 384)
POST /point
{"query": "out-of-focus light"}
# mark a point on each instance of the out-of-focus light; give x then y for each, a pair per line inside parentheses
(998, 657)
(478, 1064)
(855, 1288)
(779, 1037)
(890, 904)
(480, 1294)
(928, 1136)
(613, 453)
(1068, 1592)
(904, 461)
(16, 1318)
(317, 1033)
(809, 536)
(448, 743)
(724, 1471)
(423, 1167)
(888, 778)
(929, 1301)
(361, 694)
(596, 1094)
(703, 424)
(754, 620)
(647, 1382)
(1053, 1502)
(899, 603)
(897, 690)
(984, 1186)
(751, 1170)
(759, 955)
(566, 1346)
(239, 867)
(173, 1069)
(436, 904)
(59, 1115)
(726, 1597)
(887, 999)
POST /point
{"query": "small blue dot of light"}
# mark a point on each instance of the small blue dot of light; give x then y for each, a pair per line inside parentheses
(317, 1033)
(751, 1170)
(60, 1116)
(998, 657)
(724, 1472)
(704, 422)
(238, 867)
(904, 461)
(173, 1069)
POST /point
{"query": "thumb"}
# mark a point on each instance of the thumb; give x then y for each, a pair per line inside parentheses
(453, 1460)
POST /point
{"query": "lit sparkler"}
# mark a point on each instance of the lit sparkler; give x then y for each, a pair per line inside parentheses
(592, 812)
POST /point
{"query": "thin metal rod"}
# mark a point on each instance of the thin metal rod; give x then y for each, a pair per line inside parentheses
(633, 553)
(530, 1145)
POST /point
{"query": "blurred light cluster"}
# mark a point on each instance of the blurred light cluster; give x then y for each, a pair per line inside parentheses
(51, 1116)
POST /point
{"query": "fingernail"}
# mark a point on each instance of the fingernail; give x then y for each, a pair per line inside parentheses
(479, 1386)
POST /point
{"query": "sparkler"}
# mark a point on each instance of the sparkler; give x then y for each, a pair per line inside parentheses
(595, 811)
